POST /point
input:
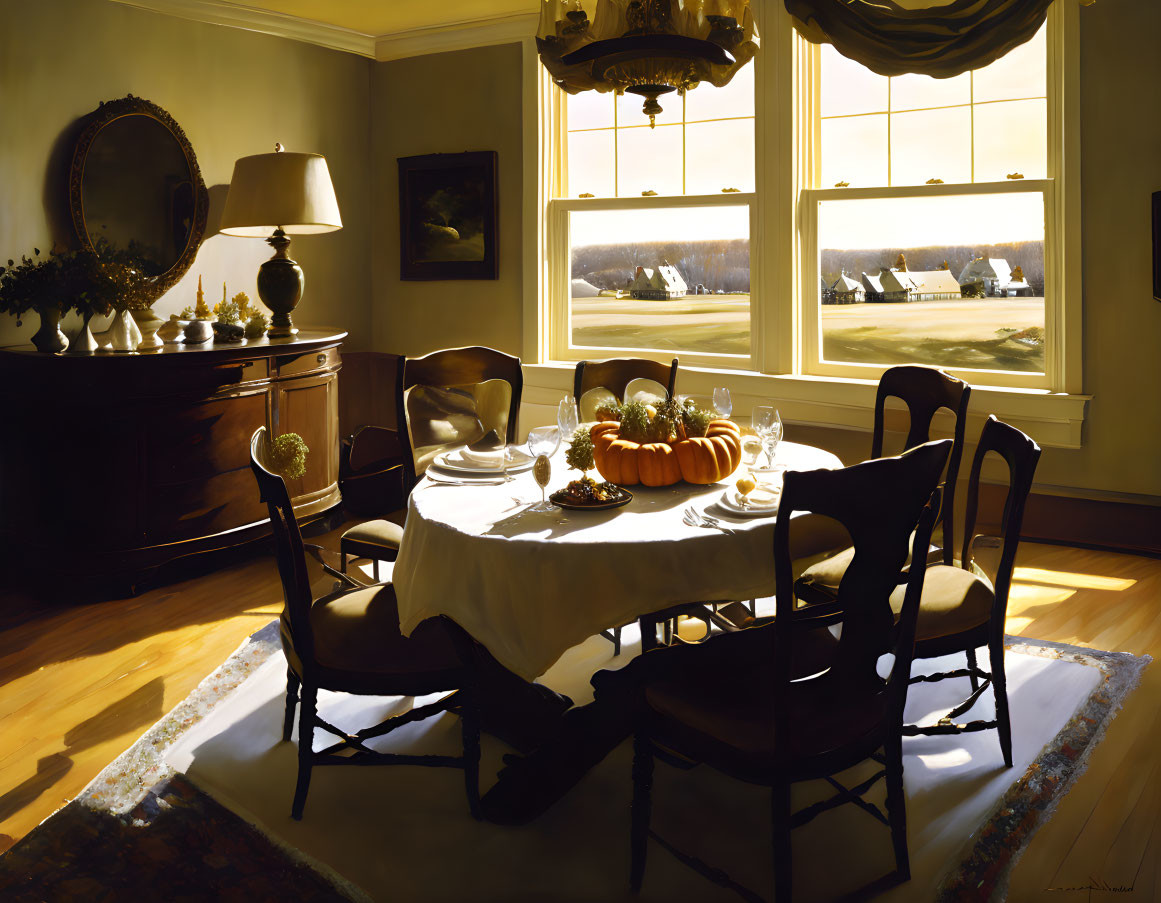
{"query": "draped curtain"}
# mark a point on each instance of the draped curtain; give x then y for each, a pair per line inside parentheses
(930, 38)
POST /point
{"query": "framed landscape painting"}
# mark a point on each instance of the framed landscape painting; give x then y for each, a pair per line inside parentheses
(447, 216)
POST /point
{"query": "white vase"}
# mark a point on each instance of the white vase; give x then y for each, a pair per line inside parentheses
(83, 342)
(198, 332)
(124, 335)
(148, 322)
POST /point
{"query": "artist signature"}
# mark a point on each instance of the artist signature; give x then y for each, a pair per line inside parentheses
(1096, 884)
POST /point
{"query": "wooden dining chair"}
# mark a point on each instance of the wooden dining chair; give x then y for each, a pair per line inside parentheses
(615, 375)
(964, 607)
(349, 641)
(736, 706)
(446, 379)
(925, 391)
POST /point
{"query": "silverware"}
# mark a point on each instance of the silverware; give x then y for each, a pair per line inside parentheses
(694, 518)
(442, 482)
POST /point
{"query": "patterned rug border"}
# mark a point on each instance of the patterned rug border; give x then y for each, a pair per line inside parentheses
(985, 864)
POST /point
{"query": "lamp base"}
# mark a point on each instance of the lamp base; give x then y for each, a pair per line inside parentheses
(280, 285)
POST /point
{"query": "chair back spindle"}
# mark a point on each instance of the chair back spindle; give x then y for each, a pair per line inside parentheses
(288, 548)
(925, 390)
(1021, 453)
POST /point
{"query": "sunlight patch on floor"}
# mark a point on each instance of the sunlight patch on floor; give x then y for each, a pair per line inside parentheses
(1071, 579)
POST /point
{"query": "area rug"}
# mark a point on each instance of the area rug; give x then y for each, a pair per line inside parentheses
(199, 807)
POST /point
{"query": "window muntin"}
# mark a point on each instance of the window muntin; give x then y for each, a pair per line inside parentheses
(980, 126)
(702, 143)
(706, 312)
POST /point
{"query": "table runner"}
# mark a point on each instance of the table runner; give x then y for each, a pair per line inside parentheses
(530, 586)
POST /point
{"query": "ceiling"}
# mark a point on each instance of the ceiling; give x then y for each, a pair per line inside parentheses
(387, 17)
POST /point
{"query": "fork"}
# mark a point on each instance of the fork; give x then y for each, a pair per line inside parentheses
(693, 518)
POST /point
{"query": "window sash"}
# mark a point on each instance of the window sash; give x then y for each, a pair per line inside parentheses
(558, 306)
(812, 337)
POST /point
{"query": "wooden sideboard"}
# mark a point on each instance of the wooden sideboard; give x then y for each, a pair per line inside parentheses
(112, 464)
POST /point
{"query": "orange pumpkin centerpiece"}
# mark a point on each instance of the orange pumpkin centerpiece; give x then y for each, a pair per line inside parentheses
(695, 459)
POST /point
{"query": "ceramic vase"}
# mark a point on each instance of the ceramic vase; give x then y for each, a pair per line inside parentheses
(148, 322)
(84, 342)
(172, 332)
(124, 335)
(198, 332)
(49, 338)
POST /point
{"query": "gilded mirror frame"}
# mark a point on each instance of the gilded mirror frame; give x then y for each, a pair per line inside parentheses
(106, 113)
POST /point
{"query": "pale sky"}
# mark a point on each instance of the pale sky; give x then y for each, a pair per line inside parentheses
(675, 224)
(930, 222)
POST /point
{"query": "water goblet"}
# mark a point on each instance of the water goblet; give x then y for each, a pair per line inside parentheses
(767, 424)
(567, 418)
(543, 443)
(723, 404)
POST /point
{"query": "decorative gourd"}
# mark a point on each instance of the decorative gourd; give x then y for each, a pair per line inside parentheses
(702, 459)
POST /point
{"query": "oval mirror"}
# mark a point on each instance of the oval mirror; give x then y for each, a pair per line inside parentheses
(136, 191)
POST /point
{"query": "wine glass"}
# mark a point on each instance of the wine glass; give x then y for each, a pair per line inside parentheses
(722, 402)
(566, 417)
(768, 425)
(543, 443)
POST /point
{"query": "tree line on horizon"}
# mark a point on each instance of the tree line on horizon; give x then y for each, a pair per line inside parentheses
(717, 264)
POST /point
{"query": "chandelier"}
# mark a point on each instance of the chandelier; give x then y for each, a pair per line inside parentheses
(645, 47)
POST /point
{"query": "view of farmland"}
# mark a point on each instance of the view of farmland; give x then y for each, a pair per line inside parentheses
(709, 312)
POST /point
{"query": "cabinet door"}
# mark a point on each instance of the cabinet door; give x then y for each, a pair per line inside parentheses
(309, 406)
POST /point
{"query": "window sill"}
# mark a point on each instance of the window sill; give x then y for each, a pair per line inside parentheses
(1053, 419)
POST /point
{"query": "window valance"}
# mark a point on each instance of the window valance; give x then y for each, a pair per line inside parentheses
(929, 37)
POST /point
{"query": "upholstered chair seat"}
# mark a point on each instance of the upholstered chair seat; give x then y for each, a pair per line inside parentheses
(954, 600)
(357, 638)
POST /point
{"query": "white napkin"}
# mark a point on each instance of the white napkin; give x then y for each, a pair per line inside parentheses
(493, 457)
(760, 497)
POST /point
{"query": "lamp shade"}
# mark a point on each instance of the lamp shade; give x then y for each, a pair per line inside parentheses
(291, 192)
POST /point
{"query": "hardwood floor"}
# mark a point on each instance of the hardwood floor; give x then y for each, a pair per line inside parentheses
(78, 684)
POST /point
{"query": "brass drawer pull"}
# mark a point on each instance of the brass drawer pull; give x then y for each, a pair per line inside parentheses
(322, 358)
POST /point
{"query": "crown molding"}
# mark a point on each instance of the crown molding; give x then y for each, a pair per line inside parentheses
(414, 42)
(218, 12)
(460, 36)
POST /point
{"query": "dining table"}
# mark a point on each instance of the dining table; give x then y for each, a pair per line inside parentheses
(530, 585)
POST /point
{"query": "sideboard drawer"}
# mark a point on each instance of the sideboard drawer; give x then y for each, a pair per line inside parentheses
(307, 363)
(203, 507)
(203, 439)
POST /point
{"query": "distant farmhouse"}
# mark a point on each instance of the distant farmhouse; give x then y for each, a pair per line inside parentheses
(847, 290)
(992, 273)
(873, 286)
(657, 284)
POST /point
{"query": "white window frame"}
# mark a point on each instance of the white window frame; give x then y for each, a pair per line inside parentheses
(784, 281)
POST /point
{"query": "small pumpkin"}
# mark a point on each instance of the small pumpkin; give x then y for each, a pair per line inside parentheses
(701, 459)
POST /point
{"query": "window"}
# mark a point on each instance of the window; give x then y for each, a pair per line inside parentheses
(814, 219)
(930, 246)
(653, 225)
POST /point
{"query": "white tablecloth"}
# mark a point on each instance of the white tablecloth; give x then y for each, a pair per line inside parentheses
(530, 586)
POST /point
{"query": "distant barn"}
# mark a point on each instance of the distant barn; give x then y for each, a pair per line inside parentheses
(847, 290)
(657, 284)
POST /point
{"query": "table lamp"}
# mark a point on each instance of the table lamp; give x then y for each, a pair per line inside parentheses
(289, 194)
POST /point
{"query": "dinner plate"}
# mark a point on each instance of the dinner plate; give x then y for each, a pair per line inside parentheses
(596, 506)
(730, 502)
(518, 462)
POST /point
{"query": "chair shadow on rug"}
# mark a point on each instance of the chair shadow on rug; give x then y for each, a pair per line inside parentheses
(349, 641)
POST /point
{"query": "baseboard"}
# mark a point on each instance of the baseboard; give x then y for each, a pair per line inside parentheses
(1088, 523)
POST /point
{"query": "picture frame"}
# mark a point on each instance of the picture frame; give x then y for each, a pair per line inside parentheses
(448, 213)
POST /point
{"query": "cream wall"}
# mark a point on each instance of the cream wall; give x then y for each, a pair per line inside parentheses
(233, 92)
(467, 100)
